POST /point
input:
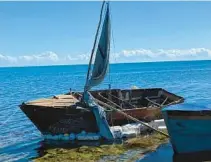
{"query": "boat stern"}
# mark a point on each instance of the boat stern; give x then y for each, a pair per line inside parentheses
(188, 127)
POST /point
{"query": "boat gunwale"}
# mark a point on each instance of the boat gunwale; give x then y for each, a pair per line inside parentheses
(66, 107)
(178, 99)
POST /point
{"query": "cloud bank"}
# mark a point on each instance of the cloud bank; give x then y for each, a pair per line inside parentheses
(45, 58)
(134, 55)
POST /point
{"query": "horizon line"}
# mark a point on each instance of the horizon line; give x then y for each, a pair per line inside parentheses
(25, 66)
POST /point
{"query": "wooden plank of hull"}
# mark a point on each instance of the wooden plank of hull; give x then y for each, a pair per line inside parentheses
(139, 113)
(60, 121)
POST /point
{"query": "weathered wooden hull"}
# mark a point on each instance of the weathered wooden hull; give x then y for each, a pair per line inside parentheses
(144, 114)
(60, 121)
(64, 114)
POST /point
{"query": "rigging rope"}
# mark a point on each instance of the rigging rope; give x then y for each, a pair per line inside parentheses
(129, 116)
(119, 107)
(113, 49)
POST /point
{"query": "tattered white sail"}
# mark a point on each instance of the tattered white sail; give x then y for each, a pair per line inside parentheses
(101, 62)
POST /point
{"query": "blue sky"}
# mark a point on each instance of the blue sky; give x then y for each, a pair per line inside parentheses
(45, 33)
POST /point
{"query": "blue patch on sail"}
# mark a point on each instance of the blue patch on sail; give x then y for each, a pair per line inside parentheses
(100, 116)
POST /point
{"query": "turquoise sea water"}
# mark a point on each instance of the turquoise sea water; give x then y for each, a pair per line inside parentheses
(19, 139)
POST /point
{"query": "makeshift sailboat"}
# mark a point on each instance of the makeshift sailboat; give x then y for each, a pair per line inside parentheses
(90, 111)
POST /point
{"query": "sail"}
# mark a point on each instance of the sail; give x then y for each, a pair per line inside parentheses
(101, 62)
(99, 71)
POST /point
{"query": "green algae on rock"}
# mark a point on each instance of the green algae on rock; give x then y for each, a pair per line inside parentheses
(94, 153)
(83, 153)
(149, 142)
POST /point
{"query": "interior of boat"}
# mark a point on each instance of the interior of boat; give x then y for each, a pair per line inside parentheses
(135, 98)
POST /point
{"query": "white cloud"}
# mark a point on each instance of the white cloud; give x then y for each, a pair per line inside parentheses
(138, 52)
(134, 55)
(8, 58)
(46, 56)
(168, 54)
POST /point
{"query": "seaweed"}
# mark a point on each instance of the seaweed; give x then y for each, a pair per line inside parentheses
(94, 153)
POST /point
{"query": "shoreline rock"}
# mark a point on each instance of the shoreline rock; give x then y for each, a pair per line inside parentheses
(147, 143)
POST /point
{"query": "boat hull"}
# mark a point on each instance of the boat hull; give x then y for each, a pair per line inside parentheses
(65, 114)
(189, 133)
(60, 121)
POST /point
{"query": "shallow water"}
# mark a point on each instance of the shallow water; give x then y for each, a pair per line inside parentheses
(164, 153)
(19, 137)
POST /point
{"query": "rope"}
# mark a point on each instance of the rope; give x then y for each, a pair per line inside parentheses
(109, 71)
(128, 116)
(156, 104)
(112, 35)
(120, 107)
(164, 101)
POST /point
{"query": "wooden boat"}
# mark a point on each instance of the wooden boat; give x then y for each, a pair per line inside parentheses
(83, 111)
(189, 127)
(65, 113)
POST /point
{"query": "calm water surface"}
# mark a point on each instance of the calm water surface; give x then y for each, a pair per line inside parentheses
(19, 138)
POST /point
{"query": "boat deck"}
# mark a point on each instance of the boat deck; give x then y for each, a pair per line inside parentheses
(61, 101)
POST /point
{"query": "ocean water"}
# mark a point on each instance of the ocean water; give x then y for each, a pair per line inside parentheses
(19, 138)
